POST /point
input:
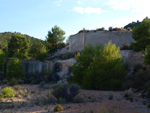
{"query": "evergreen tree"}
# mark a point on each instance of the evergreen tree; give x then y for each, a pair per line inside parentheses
(38, 51)
(83, 60)
(106, 71)
(2, 63)
(99, 68)
(14, 70)
(54, 38)
(18, 43)
(141, 34)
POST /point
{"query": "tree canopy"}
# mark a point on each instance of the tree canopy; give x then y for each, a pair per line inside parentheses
(141, 34)
(132, 25)
(6, 36)
(2, 62)
(18, 43)
(54, 38)
(99, 68)
(38, 50)
(14, 70)
(147, 55)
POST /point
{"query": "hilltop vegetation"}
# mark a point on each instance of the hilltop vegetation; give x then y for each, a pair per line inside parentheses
(132, 25)
(6, 36)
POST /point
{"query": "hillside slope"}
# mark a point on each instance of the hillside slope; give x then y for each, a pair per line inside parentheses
(6, 36)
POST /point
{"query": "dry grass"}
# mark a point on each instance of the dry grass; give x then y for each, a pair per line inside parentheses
(31, 98)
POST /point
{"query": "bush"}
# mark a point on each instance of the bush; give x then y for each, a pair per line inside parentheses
(58, 107)
(66, 56)
(14, 70)
(63, 91)
(84, 59)
(104, 70)
(126, 46)
(147, 55)
(13, 82)
(2, 63)
(74, 90)
(38, 50)
(8, 92)
(139, 80)
(141, 34)
(137, 67)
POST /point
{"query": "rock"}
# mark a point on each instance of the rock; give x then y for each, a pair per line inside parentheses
(130, 91)
(65, 64)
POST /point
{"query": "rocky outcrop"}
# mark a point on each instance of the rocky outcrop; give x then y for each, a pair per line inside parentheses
(64, 68)
(78, 41)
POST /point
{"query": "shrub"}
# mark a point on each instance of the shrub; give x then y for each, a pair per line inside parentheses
(55, 77)
(63, 91)
(74, 90)
(137, 67)
(139, 80)
(17, 87)
(126, 46)
(2, 63)
(110, 97)
(8, 92)
(141, 34)
(58, 107)
(14, 70)
(148, 106)
(83, 60)
(104, 70)
(66, 56)
(147, 55)
(13, 82)
(78, 99)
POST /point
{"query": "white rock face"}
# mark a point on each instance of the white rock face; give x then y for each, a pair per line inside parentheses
(78, 41)
(65, 64)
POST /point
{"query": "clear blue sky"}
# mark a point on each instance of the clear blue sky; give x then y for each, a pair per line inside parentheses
(37, 17)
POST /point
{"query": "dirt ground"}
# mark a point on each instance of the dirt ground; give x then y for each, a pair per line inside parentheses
(35, 99)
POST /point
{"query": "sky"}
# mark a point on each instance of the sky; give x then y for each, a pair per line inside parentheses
(37, 17)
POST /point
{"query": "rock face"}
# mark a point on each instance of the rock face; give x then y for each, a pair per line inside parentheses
(64, 68)
(33, 66)
(78, 41)
(132, 58)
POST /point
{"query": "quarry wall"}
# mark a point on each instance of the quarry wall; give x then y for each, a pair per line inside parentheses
(36, 66)
(78, 41)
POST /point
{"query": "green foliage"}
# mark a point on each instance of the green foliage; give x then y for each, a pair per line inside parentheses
(83, 60)
(58, 107)
(61, 91)
(103, 70)
(13, 81)
(6, 36)
(128, 97)
(36, 78)
(18, 43)
(66, 92)
(18, 55)
(2, 59)
(38, 51)
(54, 38)
(147, 55)
(141, 34)
(8, 92)
(132, 25)
(140, 80)
(14, 70)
